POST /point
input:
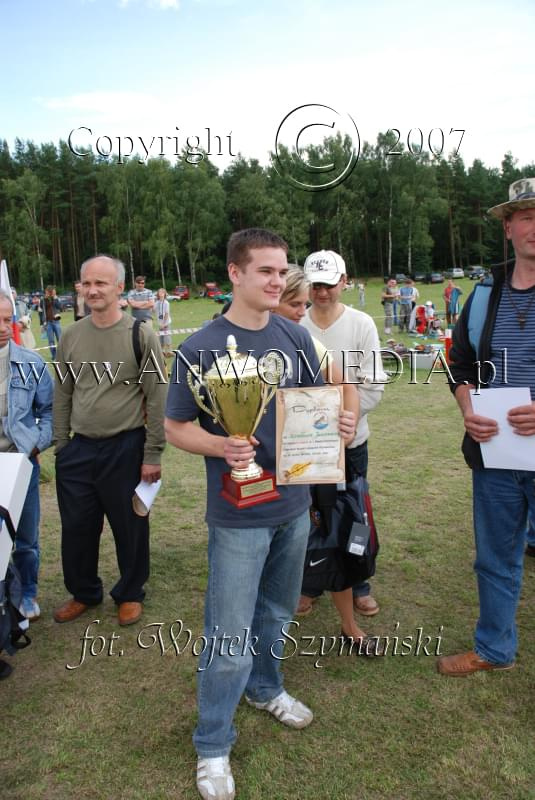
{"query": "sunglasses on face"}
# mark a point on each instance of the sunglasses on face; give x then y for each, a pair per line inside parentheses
(318, 286)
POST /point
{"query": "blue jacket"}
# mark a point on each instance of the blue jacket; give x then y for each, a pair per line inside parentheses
(29, 401)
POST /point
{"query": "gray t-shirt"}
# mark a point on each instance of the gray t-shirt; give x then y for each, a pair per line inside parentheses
(279, 334)
(142, 314)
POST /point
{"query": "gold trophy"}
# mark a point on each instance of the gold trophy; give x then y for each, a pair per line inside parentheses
(239, 392)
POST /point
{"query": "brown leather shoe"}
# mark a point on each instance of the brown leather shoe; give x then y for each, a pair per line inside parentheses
(70, 610)
(129, 613)
(366, 605)
(466, 663)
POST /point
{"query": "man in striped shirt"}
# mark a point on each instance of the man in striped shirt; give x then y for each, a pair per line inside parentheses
(503, 498)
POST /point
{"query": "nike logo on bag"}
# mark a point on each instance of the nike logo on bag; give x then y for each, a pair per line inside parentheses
(315, 563)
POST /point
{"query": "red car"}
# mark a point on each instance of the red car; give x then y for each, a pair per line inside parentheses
(211, 289)
(182, 292)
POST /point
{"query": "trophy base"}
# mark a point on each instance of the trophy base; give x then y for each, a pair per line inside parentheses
(249, 492)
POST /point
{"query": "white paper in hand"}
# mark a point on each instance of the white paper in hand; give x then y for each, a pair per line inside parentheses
(506, 450)
(144, 496)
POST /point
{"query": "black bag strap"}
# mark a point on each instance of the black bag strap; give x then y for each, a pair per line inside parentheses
(6, 516)
(136, 341)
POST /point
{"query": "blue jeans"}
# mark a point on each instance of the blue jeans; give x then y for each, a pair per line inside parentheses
(253, 586)
(502, 499)
(53, 329)
(531, 529)
(26, 554)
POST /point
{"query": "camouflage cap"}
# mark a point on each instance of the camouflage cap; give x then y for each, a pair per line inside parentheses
(521, 195)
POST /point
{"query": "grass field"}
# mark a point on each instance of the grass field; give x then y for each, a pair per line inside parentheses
(119, 725)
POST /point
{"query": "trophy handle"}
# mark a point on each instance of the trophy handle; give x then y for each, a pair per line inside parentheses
(263, 408)
(195, 387)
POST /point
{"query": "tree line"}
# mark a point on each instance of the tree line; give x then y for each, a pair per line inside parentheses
(399, 211)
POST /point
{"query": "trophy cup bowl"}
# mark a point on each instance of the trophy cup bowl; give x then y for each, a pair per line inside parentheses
(238, 398)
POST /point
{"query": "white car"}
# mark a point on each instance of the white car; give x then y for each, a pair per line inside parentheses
(457, 272)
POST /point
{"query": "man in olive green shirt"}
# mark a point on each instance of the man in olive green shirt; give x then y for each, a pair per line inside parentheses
(110, 395)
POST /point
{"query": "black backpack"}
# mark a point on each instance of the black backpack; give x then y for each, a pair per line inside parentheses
(335, 517)
(13, 625)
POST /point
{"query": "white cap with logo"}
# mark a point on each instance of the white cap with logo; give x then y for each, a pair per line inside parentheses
(325, 266)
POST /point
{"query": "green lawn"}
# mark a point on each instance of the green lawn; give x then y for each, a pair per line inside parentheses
(119, 725)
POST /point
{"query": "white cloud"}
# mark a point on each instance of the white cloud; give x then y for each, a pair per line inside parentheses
(105, 102)
(163, 4)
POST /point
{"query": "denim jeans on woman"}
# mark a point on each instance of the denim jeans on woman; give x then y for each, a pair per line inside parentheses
(253, 588)
(502, 499)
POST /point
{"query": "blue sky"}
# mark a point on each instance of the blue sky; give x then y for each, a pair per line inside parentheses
(145, 67)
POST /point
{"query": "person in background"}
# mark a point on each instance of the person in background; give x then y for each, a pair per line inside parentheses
(81, 309)
(51, 319)
(406, 297)
(395, 303)
(141, 300)
(25, 427)
(362, 295)
(451, 317)
(20, 306)
(27, 338)
(163, 317)
(454, 304)
(389, 295)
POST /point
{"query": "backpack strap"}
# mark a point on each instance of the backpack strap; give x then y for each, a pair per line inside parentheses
(136, 341)
(6, 516)
(478, 311)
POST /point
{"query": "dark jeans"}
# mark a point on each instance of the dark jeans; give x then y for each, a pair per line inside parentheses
(358, 461)
(97, 477)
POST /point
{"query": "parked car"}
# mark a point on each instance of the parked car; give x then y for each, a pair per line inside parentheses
(418, 276)
(400, 277)
(223, 297)
(434, 277)
(475, 273)
(456, 272)
(211, 289)
(66, 301)
(181, 291)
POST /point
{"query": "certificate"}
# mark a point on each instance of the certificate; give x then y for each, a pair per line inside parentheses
(309, 446)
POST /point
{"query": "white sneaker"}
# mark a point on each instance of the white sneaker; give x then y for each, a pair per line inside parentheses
(29, 608)
(286, 709)
(214, 779)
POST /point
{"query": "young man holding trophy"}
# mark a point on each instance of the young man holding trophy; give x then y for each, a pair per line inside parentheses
(257, 532)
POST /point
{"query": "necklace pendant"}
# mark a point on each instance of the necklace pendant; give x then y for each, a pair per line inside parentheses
(521, 321)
